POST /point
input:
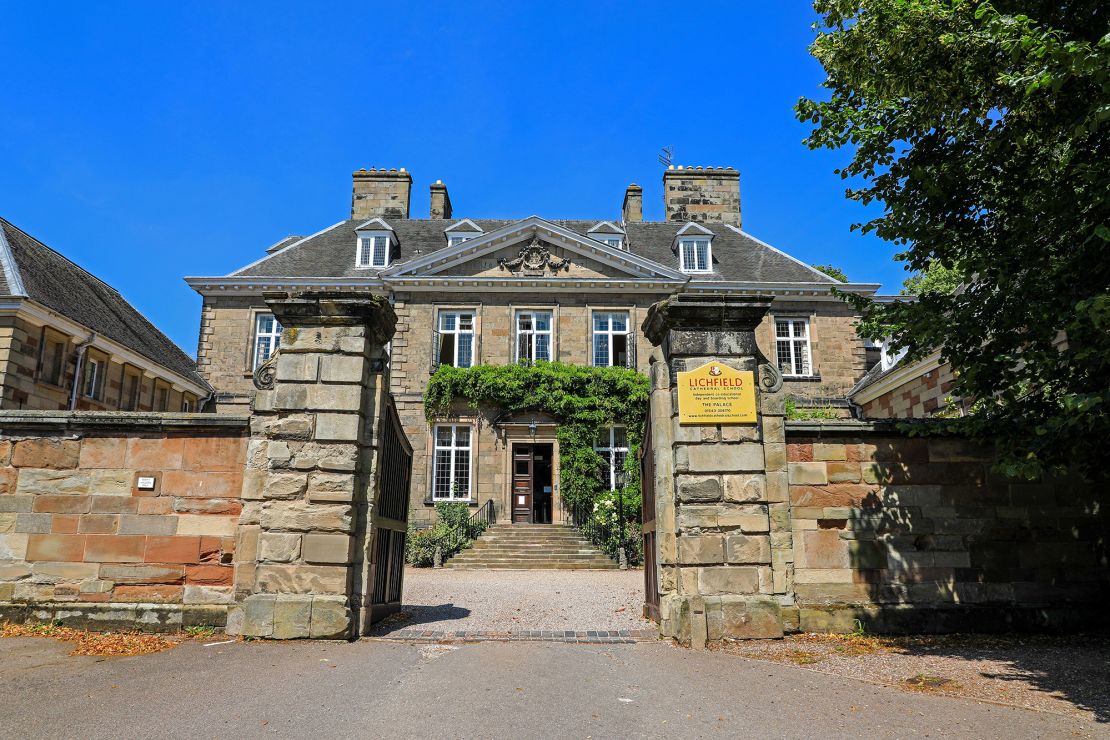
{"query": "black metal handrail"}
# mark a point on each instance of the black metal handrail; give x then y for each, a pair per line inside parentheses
(460, 537)
(617, 537)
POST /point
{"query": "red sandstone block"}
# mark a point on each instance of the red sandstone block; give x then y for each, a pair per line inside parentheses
(64, 523)
(211, 549)
(837, 494)
(94, 597)
(156, 453)
(148, 594)
(98, 524)
(67, 548)
(59, 454)
(115, 548)
(190, 484)
(7, 480)
(207, 506)
(213, 454)
(209, 575)
(103, 452)
(5, 452)
(114, 505)
(155, 505)
(797, 452)
(61, 504)
(862, 452)
(173, 549)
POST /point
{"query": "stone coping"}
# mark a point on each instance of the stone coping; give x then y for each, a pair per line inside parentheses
(850, 427)
(123, 420)
(570, 636)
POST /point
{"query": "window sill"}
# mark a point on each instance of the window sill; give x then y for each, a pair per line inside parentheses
(467, 501)
(802, 378)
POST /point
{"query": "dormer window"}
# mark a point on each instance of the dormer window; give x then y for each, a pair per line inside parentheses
(607, 233)
(695, 254)
(375, 244)
(462, 231)
(373, 250)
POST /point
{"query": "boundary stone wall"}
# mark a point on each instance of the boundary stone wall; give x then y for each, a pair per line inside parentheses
(918, 535)
(79, 539)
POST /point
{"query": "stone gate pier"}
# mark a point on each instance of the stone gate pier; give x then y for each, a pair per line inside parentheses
(722, 513)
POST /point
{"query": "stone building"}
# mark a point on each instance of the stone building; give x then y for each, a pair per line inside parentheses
(469, 291)
(69, 341)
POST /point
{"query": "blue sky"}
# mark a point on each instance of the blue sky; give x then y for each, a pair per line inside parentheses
(149, 141)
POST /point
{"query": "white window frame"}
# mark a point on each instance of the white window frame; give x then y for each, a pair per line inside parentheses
(457, 332)
(91, 381)
(695, 242)
(610, 332)
(369, 242)
(453, 447)
(610, 451)
(790, 340)
(533, 333)
(613, 240)
(186, 405)
(272, 338)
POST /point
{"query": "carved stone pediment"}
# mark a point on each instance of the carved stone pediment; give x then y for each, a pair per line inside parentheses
(534, 261)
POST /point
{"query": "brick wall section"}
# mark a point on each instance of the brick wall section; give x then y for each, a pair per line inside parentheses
(920, 397)
(916, 534)
(74, 526)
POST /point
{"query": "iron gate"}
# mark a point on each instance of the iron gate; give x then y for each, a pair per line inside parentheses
(647, 519)
(390, 517)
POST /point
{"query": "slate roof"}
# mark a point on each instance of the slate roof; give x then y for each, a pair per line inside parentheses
(30, 269)
(736, 255)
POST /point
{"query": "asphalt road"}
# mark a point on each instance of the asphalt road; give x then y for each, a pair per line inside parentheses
(518, 690)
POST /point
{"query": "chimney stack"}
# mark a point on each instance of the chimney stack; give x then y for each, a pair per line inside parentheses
(633, 208)
(441, 201)
(702, 194)
(380, 193)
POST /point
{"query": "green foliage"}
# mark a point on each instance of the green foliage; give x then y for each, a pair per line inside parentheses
(834, 272)
(982, 130)
(936, 278)
(452, 532)
(808, 413)
(583, 399)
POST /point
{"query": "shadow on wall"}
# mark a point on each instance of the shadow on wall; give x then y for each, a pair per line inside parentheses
(918, 535)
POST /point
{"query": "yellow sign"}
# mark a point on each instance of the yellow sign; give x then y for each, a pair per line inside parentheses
(716, 394)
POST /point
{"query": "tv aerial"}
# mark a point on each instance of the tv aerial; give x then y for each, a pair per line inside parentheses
(666, 156)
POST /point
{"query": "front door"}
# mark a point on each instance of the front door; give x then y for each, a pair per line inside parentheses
(522, 484)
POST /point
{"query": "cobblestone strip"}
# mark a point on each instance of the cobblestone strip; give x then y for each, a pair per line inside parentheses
(577, 636)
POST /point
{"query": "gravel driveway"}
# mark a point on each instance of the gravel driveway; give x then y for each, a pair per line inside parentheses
(502, 600)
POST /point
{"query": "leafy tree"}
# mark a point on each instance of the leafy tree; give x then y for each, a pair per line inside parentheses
(834, 272)
(983, 130)
(936, 278)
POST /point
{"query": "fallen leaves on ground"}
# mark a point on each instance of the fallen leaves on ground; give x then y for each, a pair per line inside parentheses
(101, 644)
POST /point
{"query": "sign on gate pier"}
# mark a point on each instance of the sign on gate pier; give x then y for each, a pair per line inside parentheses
(716, 394)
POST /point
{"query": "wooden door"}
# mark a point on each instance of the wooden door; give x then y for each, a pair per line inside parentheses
(522, 484)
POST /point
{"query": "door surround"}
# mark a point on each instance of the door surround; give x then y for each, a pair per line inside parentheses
(517, 432)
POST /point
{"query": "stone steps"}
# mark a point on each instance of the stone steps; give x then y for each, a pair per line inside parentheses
(531, 546)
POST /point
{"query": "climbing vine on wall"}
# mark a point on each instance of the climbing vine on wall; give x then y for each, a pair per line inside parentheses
(583, 399)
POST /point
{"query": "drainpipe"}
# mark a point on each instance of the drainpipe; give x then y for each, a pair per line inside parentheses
(81, 351)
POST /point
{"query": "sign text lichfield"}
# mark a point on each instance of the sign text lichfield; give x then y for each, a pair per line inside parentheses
(716, 394)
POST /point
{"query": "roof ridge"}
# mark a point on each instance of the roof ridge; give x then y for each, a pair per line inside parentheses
(47, 247)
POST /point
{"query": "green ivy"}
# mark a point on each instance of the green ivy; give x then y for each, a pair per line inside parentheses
(583, 399)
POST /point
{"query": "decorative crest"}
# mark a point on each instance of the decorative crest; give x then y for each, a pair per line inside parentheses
(533, 260)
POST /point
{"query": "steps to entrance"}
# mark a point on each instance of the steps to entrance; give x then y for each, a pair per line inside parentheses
(532, 547)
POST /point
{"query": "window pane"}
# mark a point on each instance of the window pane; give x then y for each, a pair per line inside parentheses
(262, 351)
(601, 321)
(466, 342)
(602, 441)
(466, 322)
(703, 255)
(442, 485)
(620, 437)
(801, 355)
(524, 347)
(443, 436)
(800, 329)
(524, 322)
(380, 245)
(446, 349)
(447, 321)
(265, 324)
(543, 347)
(783, 351)
(462, 474)
(462, 436)
(782, 329)
(620, 321)
(601, 350)
(543, 321)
